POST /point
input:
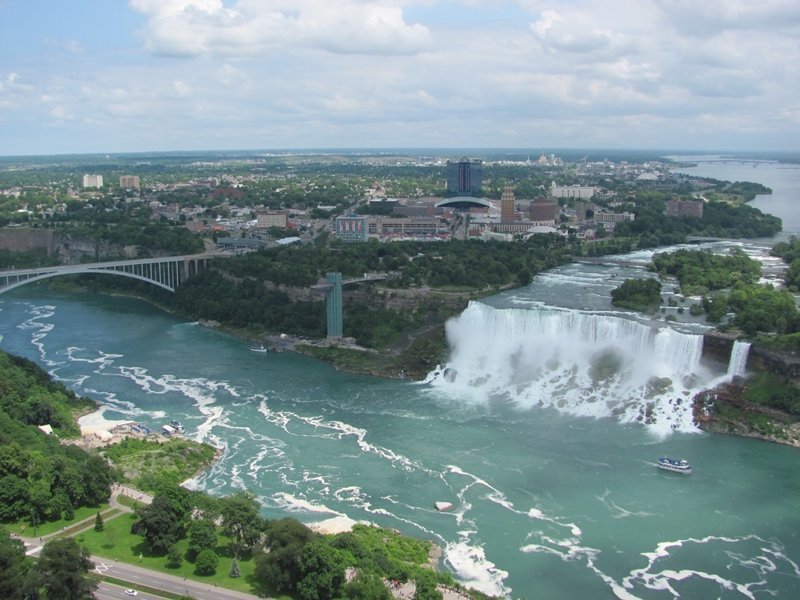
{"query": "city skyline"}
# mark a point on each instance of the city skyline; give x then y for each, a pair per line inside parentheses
(162, 75)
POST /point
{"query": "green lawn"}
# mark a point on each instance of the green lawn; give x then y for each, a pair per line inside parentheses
(117, 542)
(24, 527)
(129, 502)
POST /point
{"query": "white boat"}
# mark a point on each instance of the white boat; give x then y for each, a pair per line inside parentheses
(443, 506)
(676, 465)
(258, 348)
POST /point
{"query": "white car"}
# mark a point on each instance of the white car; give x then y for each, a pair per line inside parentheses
(131, 593)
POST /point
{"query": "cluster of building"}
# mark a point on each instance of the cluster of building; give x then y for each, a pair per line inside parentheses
(126, 182)
(463, 211)
(434, 218)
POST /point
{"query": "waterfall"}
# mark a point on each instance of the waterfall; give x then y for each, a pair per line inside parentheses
(578, 362)
(738, 361)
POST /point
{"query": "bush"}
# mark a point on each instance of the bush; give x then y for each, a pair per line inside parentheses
(207, 562)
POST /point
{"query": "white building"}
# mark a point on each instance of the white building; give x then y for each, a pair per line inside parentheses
(581, 192)
(92, 181)
(272, 218)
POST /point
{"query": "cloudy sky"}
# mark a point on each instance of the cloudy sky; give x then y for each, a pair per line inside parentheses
(139, 75)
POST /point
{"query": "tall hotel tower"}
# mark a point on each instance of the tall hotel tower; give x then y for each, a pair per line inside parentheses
(464, 178)
(508, 210)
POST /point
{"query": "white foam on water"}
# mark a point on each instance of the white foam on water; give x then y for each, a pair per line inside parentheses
(293, 504)
(318, 426)
(750, 557)
(471, 567)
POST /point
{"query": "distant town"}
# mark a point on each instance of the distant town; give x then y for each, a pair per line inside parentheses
(252, 201)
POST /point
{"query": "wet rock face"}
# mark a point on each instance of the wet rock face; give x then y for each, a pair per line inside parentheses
(786, 364)
(718, 346)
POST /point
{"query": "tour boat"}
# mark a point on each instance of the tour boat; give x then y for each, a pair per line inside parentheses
(176, 425)
(258, 348)
(676, 465)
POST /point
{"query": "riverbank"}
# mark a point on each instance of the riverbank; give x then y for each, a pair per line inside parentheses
(724, 410)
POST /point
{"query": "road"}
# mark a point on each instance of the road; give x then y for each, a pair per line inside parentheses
(109, 591)
(138, 575)
(162, 581)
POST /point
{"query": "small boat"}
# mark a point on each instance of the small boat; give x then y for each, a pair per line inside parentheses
(176, 425)
(258, 348)
(676, 465)
(443, 506)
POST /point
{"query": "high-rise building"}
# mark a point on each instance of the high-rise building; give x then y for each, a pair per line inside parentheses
(352, 228)
(92, 181)
(543, 212)
(508, 209)
(464, 177)
(272, 218)
(129, 182)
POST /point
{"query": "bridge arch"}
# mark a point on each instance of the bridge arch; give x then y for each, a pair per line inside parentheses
(166, 272)
(11, 286)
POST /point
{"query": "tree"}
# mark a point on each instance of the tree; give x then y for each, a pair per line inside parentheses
(98, 522)
(12, 567)
(241, 520)
(207, 562)
(367, 586)
(321, 573)
(234, 572)
(637, 294)
(174, 559)
(426, 586)
(159, 525)
(279, 568)
(63, 571)
(202, 536)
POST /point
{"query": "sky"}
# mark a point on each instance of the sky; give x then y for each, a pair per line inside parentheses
(100, 76)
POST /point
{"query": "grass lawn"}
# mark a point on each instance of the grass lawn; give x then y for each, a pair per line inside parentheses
(129, 502)
(24, 527)
(117, 542)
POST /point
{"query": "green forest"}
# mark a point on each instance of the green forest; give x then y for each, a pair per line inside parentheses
(728, 285)
(40, 478)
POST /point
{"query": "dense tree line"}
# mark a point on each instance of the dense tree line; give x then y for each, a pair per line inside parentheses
(654, 228)
(755, 308)
(239, 291)
(790, 253)
(700, 272)
(41, 479)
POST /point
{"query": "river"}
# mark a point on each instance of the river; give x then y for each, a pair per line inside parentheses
(543, 430)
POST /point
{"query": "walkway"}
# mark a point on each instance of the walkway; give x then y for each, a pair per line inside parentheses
(34, 545)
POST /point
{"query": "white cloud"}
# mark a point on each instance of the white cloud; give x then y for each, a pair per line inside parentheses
(60, 113)
(278, 73)
(252, 27)
(571, 32)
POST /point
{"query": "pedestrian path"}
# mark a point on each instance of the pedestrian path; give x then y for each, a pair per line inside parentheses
(34, 545)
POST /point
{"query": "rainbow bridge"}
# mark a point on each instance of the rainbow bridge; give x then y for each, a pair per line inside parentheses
(171, 271)
(165, 272)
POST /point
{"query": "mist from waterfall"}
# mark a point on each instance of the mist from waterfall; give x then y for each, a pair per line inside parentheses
(581, 363)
